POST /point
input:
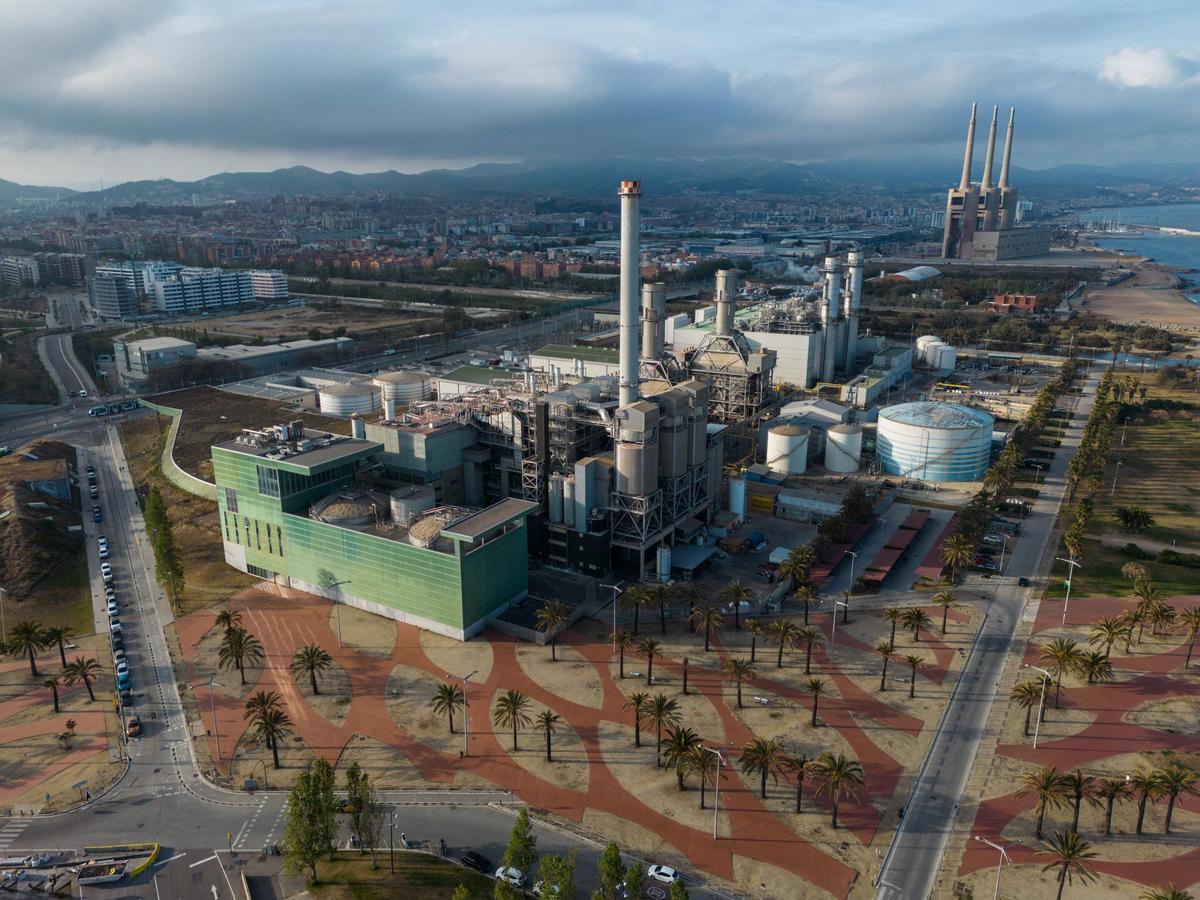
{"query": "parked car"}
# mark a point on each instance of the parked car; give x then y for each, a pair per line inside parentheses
(985, 551)
(102, 542)
(97, 516)
(122, 668)
(541, 889)
(82, 392)
(115, 628)
(986, 564)
(123, 679)
(992, 538)
(133, 726)
(743, 608)
(113, 611)
(1023, 582)
(102, 553)
(106, 572)
(93, 492)
(510, 875)
(665, 874)
(477, 861)
(127, 697)
(119, 654)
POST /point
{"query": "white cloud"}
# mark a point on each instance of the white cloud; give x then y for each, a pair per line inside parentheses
(1153, 68)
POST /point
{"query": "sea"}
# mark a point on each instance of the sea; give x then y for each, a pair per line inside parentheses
(1169, 249)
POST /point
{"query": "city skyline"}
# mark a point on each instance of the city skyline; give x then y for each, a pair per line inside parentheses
(182, 91)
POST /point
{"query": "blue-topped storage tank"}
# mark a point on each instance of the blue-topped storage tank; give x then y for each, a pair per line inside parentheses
(934, 441)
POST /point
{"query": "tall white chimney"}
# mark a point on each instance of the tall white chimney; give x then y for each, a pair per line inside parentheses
(726, 297)
(854, 283)
(829, 315)
(964, 183)
(631, 261)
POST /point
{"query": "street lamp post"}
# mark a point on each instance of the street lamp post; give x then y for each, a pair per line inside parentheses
(337, 607)
(1046, 676)
(1116, 472)
(833, 635)
(466, 711)
(3, 625)
(1070, 577)
(1003, 547)
(212, 702)
(392, 841)
(853, 559)
(716, 785)
(1037, 478)
(616, 589)
(1003, 851)
(1124, 428)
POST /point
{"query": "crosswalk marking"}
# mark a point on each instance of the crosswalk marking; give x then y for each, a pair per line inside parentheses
(11, 831)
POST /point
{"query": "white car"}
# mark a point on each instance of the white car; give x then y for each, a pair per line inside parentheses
(993, 539)
(122, 667)
(743, 608)
(510, 875)
(103, 554)
(112, 608)
(665, 874)
(106, 571)
(541, 889)
(102, 542)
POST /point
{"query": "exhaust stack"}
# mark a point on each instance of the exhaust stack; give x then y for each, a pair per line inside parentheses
(654, 307)
(726, 297)
(964, 183)
(991, 151)
(631, 260)
(1007, 149)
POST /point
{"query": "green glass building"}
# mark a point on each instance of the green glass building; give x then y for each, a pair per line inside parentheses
(304, 509)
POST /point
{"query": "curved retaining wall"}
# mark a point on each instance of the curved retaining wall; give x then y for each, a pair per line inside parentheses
(170, 469)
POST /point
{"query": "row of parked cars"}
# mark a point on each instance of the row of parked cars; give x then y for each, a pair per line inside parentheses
(116, 630)
(517, 878)
(999, 532)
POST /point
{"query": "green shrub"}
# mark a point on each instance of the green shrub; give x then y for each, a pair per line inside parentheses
(1175, 558)
(1133, 551)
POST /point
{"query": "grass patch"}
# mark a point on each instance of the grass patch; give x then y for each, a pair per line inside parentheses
(64, 597)
(1100, 574)
(418, 876)
(23, 378)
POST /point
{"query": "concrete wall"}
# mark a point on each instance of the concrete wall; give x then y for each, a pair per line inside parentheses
(170, 469)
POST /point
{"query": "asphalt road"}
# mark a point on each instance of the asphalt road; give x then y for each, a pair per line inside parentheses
(913, 860)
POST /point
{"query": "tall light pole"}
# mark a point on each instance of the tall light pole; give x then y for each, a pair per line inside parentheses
(213, 705)
(466, 711)
(616, 589)
(1116, 472)
(1124, 428)
(3, 626)
(833, 635)
(1003, 850)
(1003, 547)
(1037, 478)
(337, 608)
(716, 785)
(1037, 726)
(1070, 577)
(853, 559)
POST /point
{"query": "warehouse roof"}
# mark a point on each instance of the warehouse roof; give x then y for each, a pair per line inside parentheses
(472, 528)
(590, 354)
(477, 374)
(157, 343)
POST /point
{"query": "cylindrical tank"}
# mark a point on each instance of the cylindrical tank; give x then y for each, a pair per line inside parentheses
(407, 503)
(934, 441)
(389, 410)
(654, 304)
(787, 449)
(931, 353)
(637, 449)
(556, 500)
(947, 358)
(663, 559)
(569, 501)
(357, 429)
(726, 295)
(924, 341)
(404, 387)
(342, 399)
(843, 448)
(737, 497)
(673, 434)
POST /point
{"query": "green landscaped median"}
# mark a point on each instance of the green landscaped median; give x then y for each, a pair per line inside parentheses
(418, 876)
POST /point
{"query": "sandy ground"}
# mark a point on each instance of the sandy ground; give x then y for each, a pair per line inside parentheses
(99, 772)
(387, 767)
(572, 677)
(695, 711)
(570, 766)
(458, 657)
(1149, 296)
(297, 320)
(206, 665)
(409, 692)
(333, 701)
(773, 881)
(1030, 881)
(1175, 715)
(252, 753)
(369, 634)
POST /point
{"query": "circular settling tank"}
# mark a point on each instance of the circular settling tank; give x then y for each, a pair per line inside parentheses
(934, 441)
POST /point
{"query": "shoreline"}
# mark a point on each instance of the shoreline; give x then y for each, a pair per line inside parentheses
(1153, 296)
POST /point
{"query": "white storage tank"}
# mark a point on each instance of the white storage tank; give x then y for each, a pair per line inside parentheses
(923, 342)
(340, 399)
(947, 358)
(409, 502)
(556, 499)
(569, 501)
(663, 559)
(929, 357)
(843, 448)
(737, 497)
(787, 449)
(934, 441)
(404, 387)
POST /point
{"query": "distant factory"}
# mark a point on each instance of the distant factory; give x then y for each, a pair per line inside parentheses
(980, 221)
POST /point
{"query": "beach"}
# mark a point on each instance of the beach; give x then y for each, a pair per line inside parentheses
(1151, 296)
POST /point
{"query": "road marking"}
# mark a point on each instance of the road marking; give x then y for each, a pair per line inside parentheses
(203, 861)
(227, 882)
(163, 862)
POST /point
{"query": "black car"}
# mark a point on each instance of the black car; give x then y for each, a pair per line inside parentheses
(477, 861)
(1023, 582)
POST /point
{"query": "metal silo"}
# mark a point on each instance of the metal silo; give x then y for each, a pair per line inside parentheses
(787, 449)
(404, 387)
(637, 449)
(673, 434)
(407, 503)
(341, 399)
(556, 499)
(843, 448)
(568, 485)
(934, 441)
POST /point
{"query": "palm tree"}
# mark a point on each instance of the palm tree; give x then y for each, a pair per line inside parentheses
(1048, 786)
(1164, 892)
(51, 683)
(311, 660)
(272, 725)
(679, 750)
(914, 662)
(736, 593)
(258, 705)
(229, 618)
(1108, 632)
(85, 670)
(636, 599)
(1064, 656)
(640, 704)
(893, 615)
(795, 567)
(447, 700)
(552, 616)
(1135, 572)
(1110, 790)
(956, 553)
(1070, 854)
(27, 638)
(58, 635)
(797, 764)
(915, 618)
(1028, 694)
(1079, 786)
(886, 650)
(238, 649)
(1189, 620)
(512, 709)
(763, 758)
(947, 600)
(649, 648)
(547, 722)
(756, 630)
(1095, 666)
(704, 764)
(838, 777)
(660, 593)
(663, 711)
(806, 596)
(740, 671)
(785, 633)
(1148, 787)
(623, 641)
(816, 687)
(706, 616)
(1174, 779)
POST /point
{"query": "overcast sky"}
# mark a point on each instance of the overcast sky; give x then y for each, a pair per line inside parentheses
(171, 88)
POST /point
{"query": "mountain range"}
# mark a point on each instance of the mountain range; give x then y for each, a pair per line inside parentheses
(587, 177)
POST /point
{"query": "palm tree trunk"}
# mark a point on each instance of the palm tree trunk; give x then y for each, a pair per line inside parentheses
(450, 716)
(87, 683)
(917, 635)
(706, 631)
(685, 668)
(1040, 817)
(679, 776)
(275, 752)
(893, 639)
(621, 661)
(312, 676)
(635, 621)
(1170, 811)
(553, 656)
(814, 711)
(62, 655)
(514, 734)
(637, 731)
(1108, 816)
(835, 812)
(737, 622)
(799, 791)
(549, 756)
(1108, 650)
(1062, 880)
(1141, 813)
(912, 690)
(32, 663)
(54, 691)
(805, 612)
(945, 612)
(1075, 820)
(763, 790)
(703, 781)
(1058, 690)
(883, 677)
(808, 659)
(1028, 713)
(779, 658)
(658, 746)
(649, 670)
(754, 645)
(739, 694)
